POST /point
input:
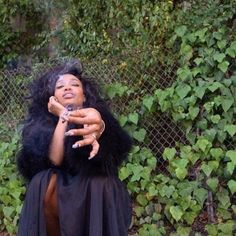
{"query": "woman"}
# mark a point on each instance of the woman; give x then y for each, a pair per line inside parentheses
(71, 149)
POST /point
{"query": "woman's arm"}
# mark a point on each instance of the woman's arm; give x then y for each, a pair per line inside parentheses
(56, 149)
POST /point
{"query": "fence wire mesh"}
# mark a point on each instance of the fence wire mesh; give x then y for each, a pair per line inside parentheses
(162, 132)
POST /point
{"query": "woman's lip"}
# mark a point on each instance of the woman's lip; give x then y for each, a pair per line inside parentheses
(68, 95)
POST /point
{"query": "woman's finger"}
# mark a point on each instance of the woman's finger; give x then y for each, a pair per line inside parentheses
(88, 140)
(83, 131)
(95, 149)
(86, 115)
(84, 120)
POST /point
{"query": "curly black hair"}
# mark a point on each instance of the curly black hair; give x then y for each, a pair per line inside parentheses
(39, 126)
(43, 87)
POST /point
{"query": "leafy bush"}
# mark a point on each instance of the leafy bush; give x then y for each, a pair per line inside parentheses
(11, 186)
(197, 194)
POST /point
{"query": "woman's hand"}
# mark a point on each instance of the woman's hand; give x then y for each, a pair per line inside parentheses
(93, 128)
(55, 107)
(89, 117)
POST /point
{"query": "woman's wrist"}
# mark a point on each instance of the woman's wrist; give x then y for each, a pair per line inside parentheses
(64, 116)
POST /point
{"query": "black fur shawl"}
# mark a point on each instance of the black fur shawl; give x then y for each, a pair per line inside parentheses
(115, 144)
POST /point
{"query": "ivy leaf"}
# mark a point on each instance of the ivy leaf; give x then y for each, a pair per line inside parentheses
(209, 106)
(223, 197)
(200, 91)
(223, 66)
(227, 82)
(169, 153)
(167, 191)
(176, 212)
(212, 229)
(193, 112)
(201, 34)
(124, 173)
(152, 190)
(216, 152)
(187, 52)
(180, 31)
(232, 155)
(181, 173)
(227, 228)
(202, 124)
(221, 44)
(7, 211)
(198, 61)
(137, 172)
(210, 134)
(151, 162)
(234, 208)
(219, 57)
(206, 169)
(116, 89)
(231, 129)
(231, 51)
(140, 135)
(209, 167)
(148, 102)
(142, 200)
(183, 90)
(133, 117)
(122, 120)
(213, 183)
(232, 186)
(215, 119)
(200, 195)
(217, 35)
(221, 135)
(227, 103)
(203, 144)
(180, 163)
(184, 73)
(213, 87)
(139, 210)
(230, 167)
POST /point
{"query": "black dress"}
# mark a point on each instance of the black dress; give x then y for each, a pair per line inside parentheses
(91, 199)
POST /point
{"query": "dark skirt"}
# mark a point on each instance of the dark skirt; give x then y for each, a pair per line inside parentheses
(87, 206)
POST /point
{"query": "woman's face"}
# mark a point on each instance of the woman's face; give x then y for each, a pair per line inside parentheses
(69, 90)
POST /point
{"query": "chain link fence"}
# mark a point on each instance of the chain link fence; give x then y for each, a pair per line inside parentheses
(162, 132)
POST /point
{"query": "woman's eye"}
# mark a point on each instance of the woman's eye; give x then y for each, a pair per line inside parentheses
(76, 85)
(59, 86)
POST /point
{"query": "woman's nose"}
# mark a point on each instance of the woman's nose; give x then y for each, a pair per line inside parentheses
(67, 87)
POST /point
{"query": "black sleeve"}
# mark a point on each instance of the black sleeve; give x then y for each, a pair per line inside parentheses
(115, 142)
(33, 155)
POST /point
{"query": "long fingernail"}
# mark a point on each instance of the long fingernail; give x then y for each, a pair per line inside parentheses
(69, 133)
(76, 145)
(91, 157)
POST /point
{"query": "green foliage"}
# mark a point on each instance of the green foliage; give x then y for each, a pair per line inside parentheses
(21, 23)
(202, 100)
(11, 186)
(111, 27)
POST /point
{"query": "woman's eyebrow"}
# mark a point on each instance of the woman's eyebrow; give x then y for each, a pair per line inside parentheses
(62, 81)
(59, 81)
(74, 79)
